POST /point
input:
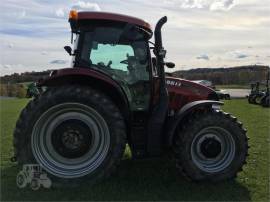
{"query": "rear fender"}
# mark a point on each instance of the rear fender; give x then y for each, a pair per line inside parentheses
(93, 78)
(185, 111)
(70, 75)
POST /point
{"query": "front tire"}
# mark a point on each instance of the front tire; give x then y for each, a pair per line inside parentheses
(211, 146)
(72, 132)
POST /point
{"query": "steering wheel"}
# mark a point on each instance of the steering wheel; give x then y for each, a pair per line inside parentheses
(124, 62)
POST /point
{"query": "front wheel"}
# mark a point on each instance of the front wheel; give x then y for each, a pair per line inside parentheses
(211, 146)
(35, 184)
(47, 183)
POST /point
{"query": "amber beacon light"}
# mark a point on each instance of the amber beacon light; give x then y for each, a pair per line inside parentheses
(73, 14)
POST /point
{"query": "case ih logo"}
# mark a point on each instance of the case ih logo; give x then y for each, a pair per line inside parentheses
(173, 83)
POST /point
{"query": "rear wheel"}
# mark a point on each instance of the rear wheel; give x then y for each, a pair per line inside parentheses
(211, 146)
(21, 180)
(72, 132)
(258, 98)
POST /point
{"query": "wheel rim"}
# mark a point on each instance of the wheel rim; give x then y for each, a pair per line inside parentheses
(213, 149)
(70, 140)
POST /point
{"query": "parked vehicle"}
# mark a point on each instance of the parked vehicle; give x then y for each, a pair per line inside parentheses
(256, 94)
(223, 95)
(116, 93)
(206, 83)
(265, 101)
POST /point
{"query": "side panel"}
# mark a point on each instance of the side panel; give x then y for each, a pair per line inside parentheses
(182, 91)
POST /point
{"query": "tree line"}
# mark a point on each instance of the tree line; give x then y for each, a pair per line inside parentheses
(226, 76)
(13, 90)
(24, 77)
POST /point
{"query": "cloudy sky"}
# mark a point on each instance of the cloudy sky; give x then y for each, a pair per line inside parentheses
(199, 33)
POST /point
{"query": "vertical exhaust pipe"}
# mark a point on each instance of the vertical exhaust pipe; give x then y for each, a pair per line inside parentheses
(159, 113)
(159, 50)
(157, 33)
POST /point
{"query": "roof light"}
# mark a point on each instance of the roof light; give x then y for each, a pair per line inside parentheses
(73, 14)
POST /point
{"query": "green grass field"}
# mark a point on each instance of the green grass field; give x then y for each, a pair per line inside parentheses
(155, 179)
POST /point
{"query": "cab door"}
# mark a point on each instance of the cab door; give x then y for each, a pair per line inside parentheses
(123, 57)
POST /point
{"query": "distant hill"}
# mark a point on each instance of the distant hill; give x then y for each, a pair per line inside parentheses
(219, 76)
(226, 76)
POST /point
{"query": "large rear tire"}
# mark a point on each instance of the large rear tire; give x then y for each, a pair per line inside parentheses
(72, 132)
(21, 179)
(211, 146)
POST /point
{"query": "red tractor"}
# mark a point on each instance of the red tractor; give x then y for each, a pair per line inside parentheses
(116, 93)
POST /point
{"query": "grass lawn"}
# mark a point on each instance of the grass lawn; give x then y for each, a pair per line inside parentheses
(155, 179)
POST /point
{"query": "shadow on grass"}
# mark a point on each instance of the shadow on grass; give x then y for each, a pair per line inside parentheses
(134, 180)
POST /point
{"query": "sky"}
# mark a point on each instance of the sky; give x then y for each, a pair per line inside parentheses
(199, 33)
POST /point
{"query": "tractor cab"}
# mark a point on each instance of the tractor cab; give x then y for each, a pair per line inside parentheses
(123, 54)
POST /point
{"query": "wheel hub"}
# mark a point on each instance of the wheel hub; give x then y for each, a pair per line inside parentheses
(72, 138)
(210, 147)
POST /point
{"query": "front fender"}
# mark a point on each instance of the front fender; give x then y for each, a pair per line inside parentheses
(185, 110)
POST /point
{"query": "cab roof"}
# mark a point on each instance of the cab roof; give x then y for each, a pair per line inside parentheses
(90, 15)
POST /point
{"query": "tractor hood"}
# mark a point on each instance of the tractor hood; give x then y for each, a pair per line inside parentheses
(182, 91)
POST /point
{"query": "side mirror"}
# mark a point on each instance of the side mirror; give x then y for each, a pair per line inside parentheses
(68, 49)
(170, 64)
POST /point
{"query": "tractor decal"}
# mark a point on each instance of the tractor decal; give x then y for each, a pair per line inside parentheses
(34, 175)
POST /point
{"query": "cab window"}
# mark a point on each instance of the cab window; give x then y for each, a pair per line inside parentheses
(123, 54)
(111, 55)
